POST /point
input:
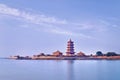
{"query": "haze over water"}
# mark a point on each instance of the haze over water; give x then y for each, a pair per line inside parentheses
(59, 69)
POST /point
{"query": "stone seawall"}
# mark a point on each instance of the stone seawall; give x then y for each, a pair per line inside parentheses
(69, 58)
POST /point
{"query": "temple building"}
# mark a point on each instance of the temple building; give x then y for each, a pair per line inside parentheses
(81, 54)
(70, 48)
(57, 53)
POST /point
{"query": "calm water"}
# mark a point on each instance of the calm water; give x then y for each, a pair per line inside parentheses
(59, 70)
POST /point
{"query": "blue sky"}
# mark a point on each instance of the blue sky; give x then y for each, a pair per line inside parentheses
(30, 27)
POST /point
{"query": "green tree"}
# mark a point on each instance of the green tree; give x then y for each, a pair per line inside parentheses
(111, 54)
(99, 53)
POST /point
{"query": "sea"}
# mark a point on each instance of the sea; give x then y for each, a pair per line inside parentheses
(59, 69)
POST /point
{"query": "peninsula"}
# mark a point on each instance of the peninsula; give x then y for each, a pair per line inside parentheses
(70, 55)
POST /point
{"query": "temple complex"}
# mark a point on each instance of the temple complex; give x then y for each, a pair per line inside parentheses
(70, 55)
(70, 48)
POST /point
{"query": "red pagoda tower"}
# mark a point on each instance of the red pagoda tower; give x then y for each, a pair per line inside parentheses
(70, 48)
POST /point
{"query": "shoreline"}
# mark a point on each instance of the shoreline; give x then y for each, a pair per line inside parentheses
(66, 58)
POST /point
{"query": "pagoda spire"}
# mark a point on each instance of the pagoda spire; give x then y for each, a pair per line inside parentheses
(70, 48)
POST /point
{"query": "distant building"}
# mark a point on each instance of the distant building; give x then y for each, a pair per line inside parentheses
(57, 53)
(40, 54)
(15, 57)
(70, 48)
(81, 54)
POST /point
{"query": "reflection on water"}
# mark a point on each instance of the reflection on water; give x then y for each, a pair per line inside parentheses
(60, 70)
(70, 71)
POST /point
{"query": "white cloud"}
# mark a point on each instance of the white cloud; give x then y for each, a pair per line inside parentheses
(83, 26)
(110, 23)
(68, 33)
(34, 18)
(58, 26)
(54, 25)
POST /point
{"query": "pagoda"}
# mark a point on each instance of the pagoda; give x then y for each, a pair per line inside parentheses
(70, 48)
